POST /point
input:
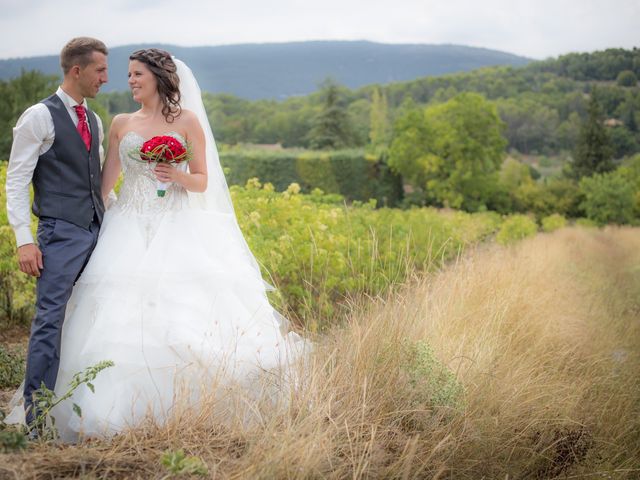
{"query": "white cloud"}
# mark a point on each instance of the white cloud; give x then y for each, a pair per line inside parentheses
(537, 29)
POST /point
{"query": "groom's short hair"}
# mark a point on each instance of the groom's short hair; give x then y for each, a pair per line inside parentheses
(79, 51)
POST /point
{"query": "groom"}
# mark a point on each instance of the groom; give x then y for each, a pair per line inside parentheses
(57, 148)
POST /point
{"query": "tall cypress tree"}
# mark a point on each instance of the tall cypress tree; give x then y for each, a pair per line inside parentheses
(379, 127)
(593, 152)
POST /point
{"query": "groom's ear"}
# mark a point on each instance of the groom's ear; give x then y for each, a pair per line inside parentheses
(75, 71)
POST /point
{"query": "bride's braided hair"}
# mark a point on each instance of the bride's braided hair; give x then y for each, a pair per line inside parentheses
(164, 69)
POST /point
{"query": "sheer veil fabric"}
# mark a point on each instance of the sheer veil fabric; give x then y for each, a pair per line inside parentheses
(217, 197)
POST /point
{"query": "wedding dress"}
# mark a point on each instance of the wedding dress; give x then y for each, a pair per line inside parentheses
(173, 297)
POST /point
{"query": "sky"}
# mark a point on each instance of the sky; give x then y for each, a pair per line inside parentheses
(535, 28)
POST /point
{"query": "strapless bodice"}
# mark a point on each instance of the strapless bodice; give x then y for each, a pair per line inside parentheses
(138, 192)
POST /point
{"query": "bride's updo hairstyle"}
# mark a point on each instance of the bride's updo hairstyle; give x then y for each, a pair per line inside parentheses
(164, 69)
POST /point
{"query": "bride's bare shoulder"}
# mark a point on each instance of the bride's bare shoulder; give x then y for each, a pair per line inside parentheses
(122, 123)
(121, 118)
(189, 121)
(188, 116)
(119, 122)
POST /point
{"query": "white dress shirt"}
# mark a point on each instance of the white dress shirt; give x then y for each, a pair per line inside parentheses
(33, 135)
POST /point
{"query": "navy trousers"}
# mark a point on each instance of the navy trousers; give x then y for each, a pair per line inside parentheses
(66, 249)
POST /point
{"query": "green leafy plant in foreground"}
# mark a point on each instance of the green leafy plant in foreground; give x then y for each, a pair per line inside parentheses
(10, 440)
(177, 463)
(430, 380)
(45, 400)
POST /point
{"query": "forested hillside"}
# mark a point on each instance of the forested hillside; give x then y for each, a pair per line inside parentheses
(500, 138)
(541, 104)
(281, 70)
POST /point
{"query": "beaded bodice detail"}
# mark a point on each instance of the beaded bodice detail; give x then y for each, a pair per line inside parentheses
(138, 192)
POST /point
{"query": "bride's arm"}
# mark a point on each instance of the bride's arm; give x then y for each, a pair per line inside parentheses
(111, 169)
(195, 180)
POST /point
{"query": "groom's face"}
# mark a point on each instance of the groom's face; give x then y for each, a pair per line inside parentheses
(93, 75)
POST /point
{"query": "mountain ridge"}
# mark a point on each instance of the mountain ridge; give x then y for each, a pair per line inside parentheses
(280, 70)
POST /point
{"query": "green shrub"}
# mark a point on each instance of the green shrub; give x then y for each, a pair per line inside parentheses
(17, 290)
(11, 368)
(585, 223)
(430, 381)
(608, 198)
(12, 439)
(314, 248)
(627, 78)
(318, 252)
(515, 228)
(352, 173)
(545, 161)
(630, 171)
(556, 195)
(553, 222)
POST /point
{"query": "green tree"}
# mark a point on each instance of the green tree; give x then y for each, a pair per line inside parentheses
(627, 78)
(630, 171)
(531, 127)
(409, 152)
(118, 102)
(232, 118)
(623, 142)
(555, 195)
(593, 151)
(626, 112)
(379, 128)
(608, 198)
(17, 95)
(331, 128)
(568, 132)
(452, 150)
(359, 112)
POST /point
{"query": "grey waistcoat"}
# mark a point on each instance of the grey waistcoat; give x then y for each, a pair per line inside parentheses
(67, 178)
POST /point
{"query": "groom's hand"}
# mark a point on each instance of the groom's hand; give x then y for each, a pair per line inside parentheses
(30, 259)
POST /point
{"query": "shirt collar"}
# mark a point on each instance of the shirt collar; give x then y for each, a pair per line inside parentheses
(68, 101)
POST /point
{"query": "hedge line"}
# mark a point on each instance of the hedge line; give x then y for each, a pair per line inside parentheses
(352, 173)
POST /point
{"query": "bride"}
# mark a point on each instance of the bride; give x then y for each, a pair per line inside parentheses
(172, 295)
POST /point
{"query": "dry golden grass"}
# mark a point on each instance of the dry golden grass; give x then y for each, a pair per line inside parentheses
(544, 337)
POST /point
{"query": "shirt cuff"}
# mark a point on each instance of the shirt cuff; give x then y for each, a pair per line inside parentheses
(23, 236)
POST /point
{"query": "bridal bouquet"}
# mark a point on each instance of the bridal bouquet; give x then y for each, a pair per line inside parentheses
(162, 149)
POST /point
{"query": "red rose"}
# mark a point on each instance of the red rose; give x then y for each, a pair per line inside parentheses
(163, 148)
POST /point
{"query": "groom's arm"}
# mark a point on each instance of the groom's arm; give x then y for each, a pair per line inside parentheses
(100, 138)
(31, 134)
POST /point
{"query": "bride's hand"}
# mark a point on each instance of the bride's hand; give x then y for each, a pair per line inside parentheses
(166, 172)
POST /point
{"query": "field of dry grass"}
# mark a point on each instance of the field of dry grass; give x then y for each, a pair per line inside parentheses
(513, 362)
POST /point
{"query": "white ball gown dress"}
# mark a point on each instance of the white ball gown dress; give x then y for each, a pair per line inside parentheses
(170, 297)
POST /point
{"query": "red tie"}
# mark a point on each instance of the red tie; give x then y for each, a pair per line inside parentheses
(83, 128)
